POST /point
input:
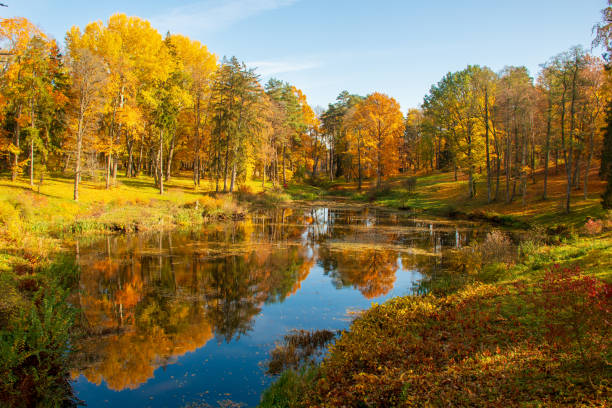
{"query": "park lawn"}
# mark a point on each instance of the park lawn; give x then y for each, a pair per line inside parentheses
(36, 221)
(440, 194)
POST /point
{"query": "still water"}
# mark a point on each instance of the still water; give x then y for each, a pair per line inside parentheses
(174, 318)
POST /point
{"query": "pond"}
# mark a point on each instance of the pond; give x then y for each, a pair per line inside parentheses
(174, 318)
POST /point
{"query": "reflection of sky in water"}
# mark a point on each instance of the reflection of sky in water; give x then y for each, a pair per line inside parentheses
(333, 286)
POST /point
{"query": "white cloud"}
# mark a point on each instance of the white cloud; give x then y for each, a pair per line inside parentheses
(213, 15)
(268, 68)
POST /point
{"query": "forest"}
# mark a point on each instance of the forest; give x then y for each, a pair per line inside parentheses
(154, 196)
(124, 98)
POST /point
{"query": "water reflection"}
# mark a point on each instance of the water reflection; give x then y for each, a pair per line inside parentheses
(147, 299)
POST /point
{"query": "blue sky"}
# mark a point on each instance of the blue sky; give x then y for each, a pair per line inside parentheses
(325, 46)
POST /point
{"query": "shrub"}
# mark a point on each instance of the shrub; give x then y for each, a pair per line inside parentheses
(35, 341)
(298, 347)
(593, 227)
(289, 389)
(575, 309)
(375, 193)
(497, 247)
(245, 189)
(466, 260)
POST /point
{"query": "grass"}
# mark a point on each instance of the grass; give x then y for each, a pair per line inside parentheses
(486, 331)
(34, 222)
(535, 333)
(440, 194)
(485, 334)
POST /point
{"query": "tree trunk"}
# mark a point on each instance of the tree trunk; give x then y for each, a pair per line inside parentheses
(359, 158)
(115, 161)
(225, 168)
(523, 172)
(568, 155)
(283, 159)
(140, 157)
(161, 162)
(508, 167)
(233, 181)
(587, 166)
(547, 146)
(31, 162)
(170, 156)
(486, 101)
(108, 170)
(263, 176)
(16, 155)
(77, 172)
(129, 172)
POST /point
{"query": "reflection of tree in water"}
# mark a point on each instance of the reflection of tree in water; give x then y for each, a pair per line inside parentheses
(371, 271)
(231, 296)
(146, 300)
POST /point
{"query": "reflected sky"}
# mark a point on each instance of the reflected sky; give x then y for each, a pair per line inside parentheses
(177, 317)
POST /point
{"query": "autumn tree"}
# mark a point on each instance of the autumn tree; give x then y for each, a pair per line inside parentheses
(381, 120)
(603, 37)
(23, 40)
(236, 96)
(199, 64)
(88, 79)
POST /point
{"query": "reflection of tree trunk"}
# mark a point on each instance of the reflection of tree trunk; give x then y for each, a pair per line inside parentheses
(160, 255)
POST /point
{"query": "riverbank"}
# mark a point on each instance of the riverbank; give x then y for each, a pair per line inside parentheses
(34, 221)
(38, 224)
(532, 333)
(500, 329)
(439, 194)
(530, 329)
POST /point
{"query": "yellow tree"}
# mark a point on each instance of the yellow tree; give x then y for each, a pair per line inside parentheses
(88, 80)
(199, 65)
(301, 153)
(134, 55)
(17, 35)
(355, 137)
(382, 123)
